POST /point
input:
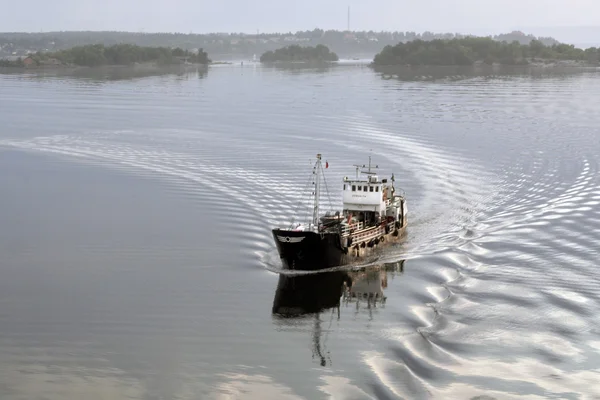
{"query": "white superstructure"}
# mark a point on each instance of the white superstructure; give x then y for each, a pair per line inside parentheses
(364, 195)
(371, 198)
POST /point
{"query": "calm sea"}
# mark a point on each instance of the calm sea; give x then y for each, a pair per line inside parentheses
(136, 260)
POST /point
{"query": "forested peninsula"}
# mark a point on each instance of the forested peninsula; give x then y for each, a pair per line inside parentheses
(100, 55)
(471, 50)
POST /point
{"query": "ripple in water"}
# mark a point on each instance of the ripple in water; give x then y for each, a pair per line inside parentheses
(498, 295)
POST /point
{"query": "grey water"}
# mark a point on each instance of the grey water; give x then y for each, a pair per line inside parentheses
(136, 259)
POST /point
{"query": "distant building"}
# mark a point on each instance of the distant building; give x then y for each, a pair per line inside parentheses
(14, 58)
(27, 61)
(50, 61)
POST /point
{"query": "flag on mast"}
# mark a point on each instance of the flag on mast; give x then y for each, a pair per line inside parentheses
(326, 164)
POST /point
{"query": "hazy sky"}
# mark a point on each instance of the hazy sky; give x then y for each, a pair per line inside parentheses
(467, 16)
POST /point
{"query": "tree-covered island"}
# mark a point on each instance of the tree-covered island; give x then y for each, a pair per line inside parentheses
(100, 55)
(319, 53)
(470, 50)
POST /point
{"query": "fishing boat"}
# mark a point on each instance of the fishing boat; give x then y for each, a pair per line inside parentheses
(373, 214)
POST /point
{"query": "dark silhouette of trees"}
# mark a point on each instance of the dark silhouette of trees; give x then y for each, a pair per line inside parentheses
(300, 53)
(123, 54)
(468, 50)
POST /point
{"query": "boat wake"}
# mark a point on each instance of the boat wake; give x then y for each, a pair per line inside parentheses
(499, 293)
(444, 198)
(447, 194)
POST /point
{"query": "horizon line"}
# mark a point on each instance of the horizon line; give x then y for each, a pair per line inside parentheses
(441, 31)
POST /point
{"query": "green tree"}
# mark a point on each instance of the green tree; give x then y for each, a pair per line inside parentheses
(125, 54)
(299, 53)
(465, 51)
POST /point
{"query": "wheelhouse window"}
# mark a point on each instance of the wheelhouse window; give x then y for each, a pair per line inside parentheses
(370, 188)
(365, 188)
(354, 188)
(360, 188)
(344, 187)
(377, 188)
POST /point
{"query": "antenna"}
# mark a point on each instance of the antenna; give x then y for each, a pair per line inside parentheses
(358, 167)
(348, 18)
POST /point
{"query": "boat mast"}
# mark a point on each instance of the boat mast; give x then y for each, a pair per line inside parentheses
(317, 168)
(368, 172)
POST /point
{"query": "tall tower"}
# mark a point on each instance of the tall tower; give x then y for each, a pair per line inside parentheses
(348, 18)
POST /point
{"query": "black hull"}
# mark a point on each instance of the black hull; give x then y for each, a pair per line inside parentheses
(309, 251)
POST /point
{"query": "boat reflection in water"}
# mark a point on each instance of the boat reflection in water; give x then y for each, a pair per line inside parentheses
(299, 296)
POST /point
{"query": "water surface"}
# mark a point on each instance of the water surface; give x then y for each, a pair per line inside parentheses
(137, 262)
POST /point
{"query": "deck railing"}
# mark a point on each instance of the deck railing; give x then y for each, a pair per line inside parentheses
(352, 227)
(367, 234)
(359, 235)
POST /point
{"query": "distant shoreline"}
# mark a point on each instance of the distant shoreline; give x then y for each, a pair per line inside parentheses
(533, 64)
(387, 72)
(151, 65)
(484, 51)
(423, 51)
